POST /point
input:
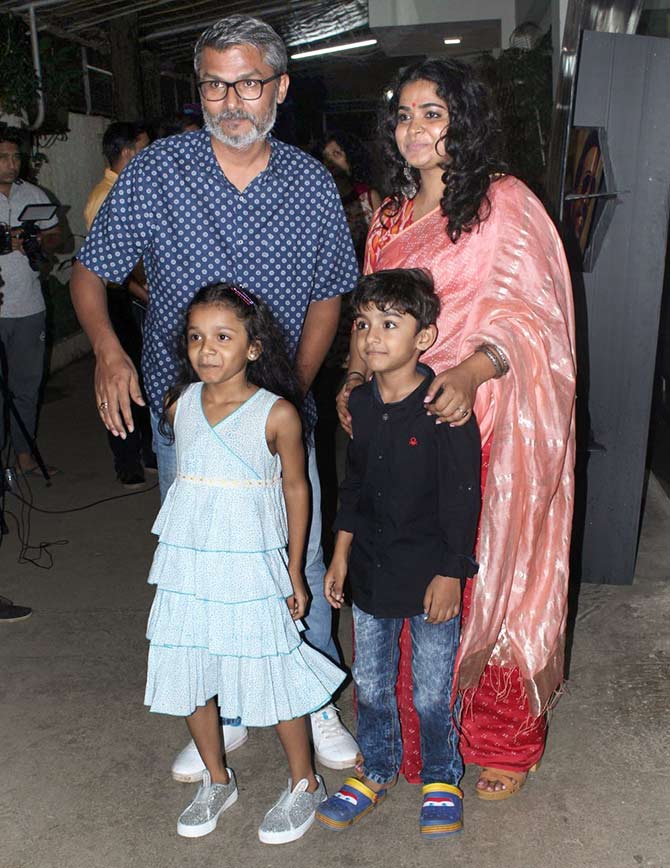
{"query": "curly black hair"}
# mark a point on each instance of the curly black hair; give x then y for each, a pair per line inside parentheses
(355, 152)
(272, 370)
(408, 290)
(470, 142)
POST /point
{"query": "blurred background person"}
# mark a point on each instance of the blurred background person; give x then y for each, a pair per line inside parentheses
(347, 160)
(187, 121)
(120, 143)
(22, 312)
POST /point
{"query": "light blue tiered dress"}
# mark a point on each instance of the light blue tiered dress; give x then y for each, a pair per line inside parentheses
(219, 624)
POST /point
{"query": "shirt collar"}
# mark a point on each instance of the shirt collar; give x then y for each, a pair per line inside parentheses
(414, 399)
(277, 164)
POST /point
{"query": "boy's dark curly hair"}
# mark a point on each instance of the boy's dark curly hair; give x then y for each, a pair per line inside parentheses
(470, 142)
(408, 290)
(272, 370)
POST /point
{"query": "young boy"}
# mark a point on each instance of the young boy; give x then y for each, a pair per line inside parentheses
(406, 529)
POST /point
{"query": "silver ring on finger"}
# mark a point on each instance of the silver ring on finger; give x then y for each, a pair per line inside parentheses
(464, 413)
(103, 405)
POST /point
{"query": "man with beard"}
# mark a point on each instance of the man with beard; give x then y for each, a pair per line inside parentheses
(226, 203)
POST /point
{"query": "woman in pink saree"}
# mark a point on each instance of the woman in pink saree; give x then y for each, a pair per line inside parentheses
(505, 351)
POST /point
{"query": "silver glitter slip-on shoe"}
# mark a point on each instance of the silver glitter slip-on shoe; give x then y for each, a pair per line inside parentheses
(293, 814)
(211, 800)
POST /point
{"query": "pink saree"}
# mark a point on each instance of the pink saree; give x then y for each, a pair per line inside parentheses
(507, 283)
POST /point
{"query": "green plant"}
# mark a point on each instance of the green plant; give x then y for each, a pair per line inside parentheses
(18, 82)
(61, 72)
(521, 84)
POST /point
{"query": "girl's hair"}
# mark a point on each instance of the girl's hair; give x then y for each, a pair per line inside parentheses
(408, 290)
(470, 142)
(272, 370)
(355, 152)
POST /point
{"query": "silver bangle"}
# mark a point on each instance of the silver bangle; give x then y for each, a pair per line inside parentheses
(503, 358)
(497, 359)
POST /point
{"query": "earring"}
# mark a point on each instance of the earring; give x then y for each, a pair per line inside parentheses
(410, 188)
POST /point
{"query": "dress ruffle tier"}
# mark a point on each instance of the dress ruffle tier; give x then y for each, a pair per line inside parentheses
(219, 624)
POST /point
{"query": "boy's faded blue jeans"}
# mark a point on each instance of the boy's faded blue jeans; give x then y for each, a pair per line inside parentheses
(375, 672)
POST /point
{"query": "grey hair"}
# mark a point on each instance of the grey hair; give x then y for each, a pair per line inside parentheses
(243, 30)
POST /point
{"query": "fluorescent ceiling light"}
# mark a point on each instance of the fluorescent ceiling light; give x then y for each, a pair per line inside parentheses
(331, 49)
(455, 41)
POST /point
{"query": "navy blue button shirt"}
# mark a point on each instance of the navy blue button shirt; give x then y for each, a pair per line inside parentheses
(285, 238)
(410, 497)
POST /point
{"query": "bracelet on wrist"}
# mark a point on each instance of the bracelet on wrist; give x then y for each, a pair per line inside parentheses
(496, 357)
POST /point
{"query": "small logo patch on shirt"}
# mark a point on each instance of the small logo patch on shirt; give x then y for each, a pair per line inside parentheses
(413, 441)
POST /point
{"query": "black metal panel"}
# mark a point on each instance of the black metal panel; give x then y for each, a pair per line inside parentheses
(623, 87)
(605, 16)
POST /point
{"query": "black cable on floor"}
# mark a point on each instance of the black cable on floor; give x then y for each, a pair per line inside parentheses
(23, 519)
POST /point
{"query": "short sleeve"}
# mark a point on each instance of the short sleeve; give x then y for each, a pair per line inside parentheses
(120, 233)
(336, 267)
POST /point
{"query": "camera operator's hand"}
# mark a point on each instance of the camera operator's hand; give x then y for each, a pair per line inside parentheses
(17, 241)
(116, 384)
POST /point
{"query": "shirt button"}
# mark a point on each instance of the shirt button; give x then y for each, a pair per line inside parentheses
(380, 457)
(379, 494)
(385, 417)
(378, 565)
(379, 530)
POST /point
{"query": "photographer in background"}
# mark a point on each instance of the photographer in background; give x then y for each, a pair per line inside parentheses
(22, 313)
(121, 142)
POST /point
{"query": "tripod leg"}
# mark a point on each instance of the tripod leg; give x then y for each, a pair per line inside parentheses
(32, 443)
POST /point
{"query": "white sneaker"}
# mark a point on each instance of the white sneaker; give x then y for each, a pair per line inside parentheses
(334, 746)
(188, 767)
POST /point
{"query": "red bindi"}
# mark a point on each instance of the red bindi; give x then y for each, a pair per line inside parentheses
(413, 105)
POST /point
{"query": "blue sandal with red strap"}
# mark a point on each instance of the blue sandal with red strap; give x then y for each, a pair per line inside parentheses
(348, 805)
(442, 810)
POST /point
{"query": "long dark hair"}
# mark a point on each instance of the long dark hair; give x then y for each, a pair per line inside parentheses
(470, 142)
(272, 370)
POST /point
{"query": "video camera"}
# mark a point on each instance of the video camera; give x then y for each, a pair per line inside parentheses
(29, 233)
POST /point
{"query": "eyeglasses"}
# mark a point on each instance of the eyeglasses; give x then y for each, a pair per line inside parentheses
(215, 90)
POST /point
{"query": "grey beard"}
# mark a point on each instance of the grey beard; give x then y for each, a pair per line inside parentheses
(259, 129)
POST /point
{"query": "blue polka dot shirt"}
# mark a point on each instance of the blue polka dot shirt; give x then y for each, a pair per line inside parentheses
(285, 238)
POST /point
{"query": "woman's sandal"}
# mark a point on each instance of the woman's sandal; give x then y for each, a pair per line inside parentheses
(512, 781)
(349, 804)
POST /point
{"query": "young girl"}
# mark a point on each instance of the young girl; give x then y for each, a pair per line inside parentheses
(229, 590)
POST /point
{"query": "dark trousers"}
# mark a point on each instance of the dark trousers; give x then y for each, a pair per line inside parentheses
(22, 359)
(136, 449)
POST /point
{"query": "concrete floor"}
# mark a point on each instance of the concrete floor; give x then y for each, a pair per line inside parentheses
(84, 767)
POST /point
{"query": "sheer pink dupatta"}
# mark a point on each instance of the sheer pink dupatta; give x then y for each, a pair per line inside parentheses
(508, 283)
